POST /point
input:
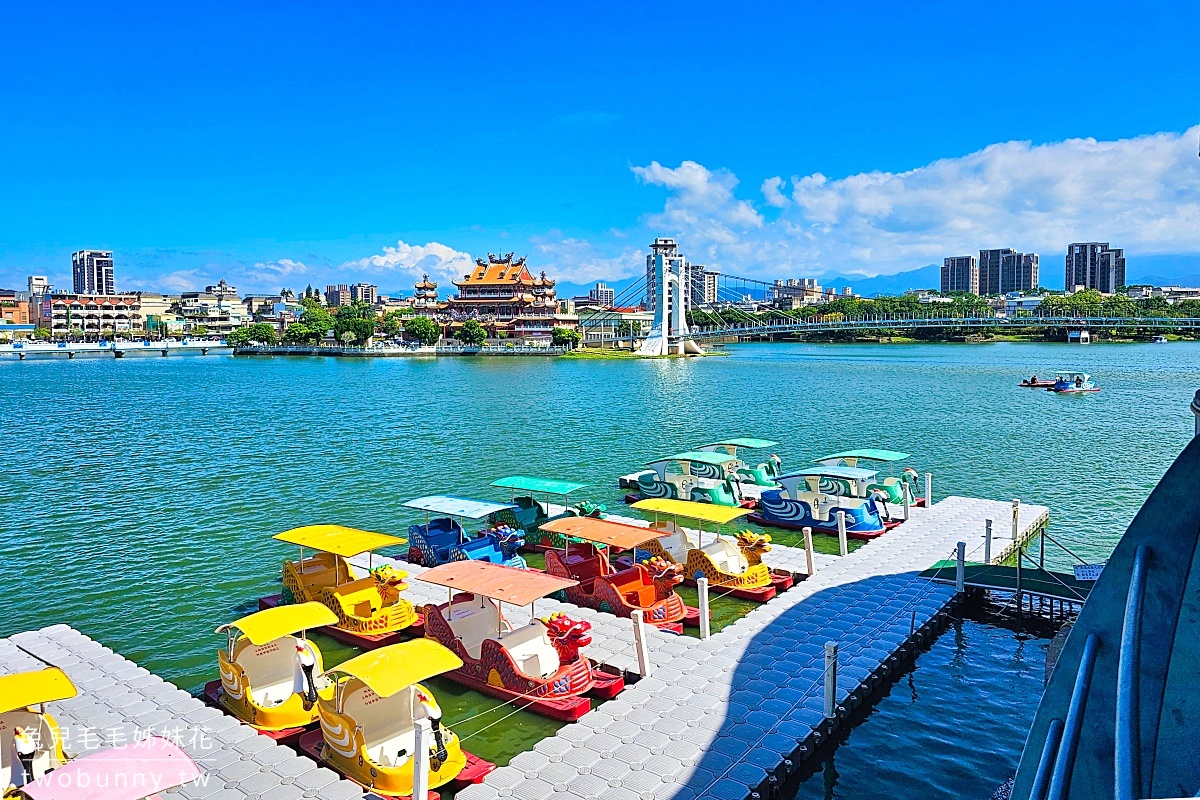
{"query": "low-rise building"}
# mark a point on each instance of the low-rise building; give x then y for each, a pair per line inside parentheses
(337, 294)
(95, 314)
(1172, 294)
(504, 296)
(216, 315)
(600, 324)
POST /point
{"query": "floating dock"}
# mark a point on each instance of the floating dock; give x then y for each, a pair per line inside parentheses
(120, 703)
(730, 717)
(734, 716)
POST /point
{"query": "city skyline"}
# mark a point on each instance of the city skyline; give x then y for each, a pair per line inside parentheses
(352, 165)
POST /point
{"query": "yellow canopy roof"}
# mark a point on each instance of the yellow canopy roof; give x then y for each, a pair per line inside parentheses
(31, 688)
(705, 512)
(390, 669)
(273, 623)
(338, 539)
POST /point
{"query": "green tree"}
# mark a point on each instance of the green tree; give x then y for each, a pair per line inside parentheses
(565, 337)
(359, 329)
(422, 329)
(472, 334)
(263, 333)
(199, 330)
(316, 318)
(299, 333)
(41, 333)
(239, 337)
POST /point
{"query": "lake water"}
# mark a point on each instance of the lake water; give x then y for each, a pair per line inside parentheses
(140, 495)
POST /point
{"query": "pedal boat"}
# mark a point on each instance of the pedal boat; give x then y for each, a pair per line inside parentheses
(545, 499)
(116, 773)
(539, 666)
(693, 475)
(892, 487)
(811, 498)
(762, 474)
(30, 743)
(732, 564)
(370, 610)
(270, 671)
(1073, 383)
(442, 539)
(648, 586)
(368, 730)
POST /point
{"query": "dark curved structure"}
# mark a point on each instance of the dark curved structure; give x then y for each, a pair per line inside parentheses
(1121, 711)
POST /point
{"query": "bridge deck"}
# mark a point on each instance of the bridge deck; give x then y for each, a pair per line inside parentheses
(1059, 585)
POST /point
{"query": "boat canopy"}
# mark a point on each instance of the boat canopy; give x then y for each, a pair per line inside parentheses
(748, 442)
(274, 623)
(506, 584)
(602, 531)
(33, 688)
(866, 454)
(390, 669)
(133, 772)
(338, 539)
(457, 506)
(1072, 374)
(849, 473)
(704, 512)
(715, 459)
(548, 485)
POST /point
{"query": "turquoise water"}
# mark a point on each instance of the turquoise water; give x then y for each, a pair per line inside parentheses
(141, 494)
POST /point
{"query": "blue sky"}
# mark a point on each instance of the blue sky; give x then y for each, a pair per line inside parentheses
(285, 145)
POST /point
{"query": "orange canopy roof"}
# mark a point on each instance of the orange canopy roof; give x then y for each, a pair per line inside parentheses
(506, 584)
(613, 534)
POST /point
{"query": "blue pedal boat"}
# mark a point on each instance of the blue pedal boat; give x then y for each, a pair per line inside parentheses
(811, 498)
(443, 538)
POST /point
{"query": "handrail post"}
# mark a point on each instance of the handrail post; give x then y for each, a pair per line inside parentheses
(841, 526)
(831, 659)
(422, 738)
(907, 499)
(960, 568)
(639, 642)
(808, 552)
(1126, 735)
(987, 541)
(928, 489)
(702, 593)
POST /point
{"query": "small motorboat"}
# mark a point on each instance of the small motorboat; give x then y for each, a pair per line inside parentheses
(1073, 383)
(1159, 339)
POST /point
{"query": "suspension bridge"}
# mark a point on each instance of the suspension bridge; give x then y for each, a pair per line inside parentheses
(735, 297)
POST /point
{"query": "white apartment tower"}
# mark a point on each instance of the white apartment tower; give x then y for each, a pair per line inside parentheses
(92, 272)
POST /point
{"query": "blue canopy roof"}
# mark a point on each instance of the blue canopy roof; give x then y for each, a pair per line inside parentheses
(849, 473)
(457, 506)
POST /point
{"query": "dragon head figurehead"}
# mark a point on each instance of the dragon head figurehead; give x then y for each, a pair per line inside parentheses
(389, 581)
(666, 575)
(567, 635)
(507, 538)
(753, 545)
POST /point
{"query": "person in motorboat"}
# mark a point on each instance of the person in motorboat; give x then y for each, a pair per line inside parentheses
(1078, 383)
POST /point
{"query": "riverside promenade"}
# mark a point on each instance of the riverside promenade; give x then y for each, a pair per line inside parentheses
(729, 717)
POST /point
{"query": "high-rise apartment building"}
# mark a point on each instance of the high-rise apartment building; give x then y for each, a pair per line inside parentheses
(1004, 270)
(92, 272)
(337, 295)
(710, 283)
(1095, 265)
(603, 296)
(1018, 272)
(364, 293)
(960, 274)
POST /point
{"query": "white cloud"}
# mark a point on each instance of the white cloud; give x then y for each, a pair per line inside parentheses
(282, 268)
(436, 259)
(1141, 193)
(579, 261)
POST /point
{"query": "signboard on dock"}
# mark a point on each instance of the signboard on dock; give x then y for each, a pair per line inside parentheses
(1088, 572)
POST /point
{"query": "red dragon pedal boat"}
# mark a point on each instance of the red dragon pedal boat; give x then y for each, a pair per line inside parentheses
(539, 666)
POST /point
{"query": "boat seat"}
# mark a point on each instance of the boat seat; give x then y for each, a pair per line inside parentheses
(473, 624)
(587, 565)
(43, 760)
(387, 725)
(531, 650)
(360, 598)
(726, 557)
(634, 586)
(678, 543)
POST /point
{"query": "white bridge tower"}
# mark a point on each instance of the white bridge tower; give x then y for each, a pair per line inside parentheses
(669, 334)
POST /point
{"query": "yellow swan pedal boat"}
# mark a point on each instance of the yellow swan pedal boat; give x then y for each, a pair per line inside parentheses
(370, 605)
(270, 672)
(368, 733)
(30, 742)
